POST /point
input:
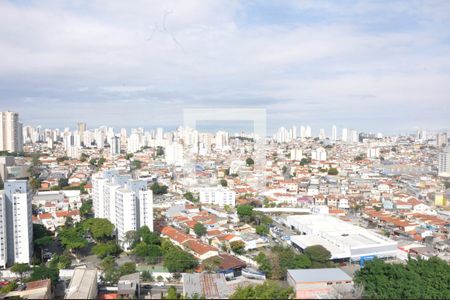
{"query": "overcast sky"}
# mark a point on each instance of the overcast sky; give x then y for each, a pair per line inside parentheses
(371, 65)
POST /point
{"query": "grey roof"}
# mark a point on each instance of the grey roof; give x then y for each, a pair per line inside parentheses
(318, 275)
(211, 286)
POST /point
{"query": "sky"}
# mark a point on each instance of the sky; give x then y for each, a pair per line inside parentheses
(378, 66)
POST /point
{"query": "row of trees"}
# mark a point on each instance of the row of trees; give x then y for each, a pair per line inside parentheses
(417, 279)
(267, 290)
(279, 259)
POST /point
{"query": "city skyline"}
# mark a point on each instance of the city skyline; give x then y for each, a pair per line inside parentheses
(385, 70)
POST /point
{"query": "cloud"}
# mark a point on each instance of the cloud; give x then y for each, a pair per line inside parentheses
(362, 64)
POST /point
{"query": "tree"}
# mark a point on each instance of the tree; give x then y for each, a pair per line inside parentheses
(319, 256)
(190, 197)
(212, 264)
(245, 212)
(279, 259)
(159, 151)
(127, 268)
(262, 230)
(11, 286)
(106, 249)
(305, 161)
(62, 182)
(86, 208)
(100, 229)
(43, 272)
(158, 189)
(333, 171)
(224, 182)
(177, 260)
(61, 261)
(128, 156)
(393, 281)
(72, 238)
(172, 293)
(146, 276)
(35, 183)
(132, 238)
(238, 247)
(136, 164)
(199, 229)
(267, 290)
(249, 161)
(20, 269)
(149, 237)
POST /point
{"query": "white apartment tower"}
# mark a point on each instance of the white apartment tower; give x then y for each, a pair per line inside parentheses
(444, 163)
(10, 132)
(125, 202)
(16, 227)
(334, 133)
(219, 196)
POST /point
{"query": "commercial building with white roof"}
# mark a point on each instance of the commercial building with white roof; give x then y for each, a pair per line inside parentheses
(344, 240)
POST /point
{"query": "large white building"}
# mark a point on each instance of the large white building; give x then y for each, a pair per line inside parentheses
(173, 154)
(10, 132)
(125, 202)
(16, 227)
(319, 154)
(344, 240)
(217, 196)
(444, 162)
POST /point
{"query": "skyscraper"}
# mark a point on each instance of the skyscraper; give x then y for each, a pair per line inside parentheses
(10, 132)
(16, 228)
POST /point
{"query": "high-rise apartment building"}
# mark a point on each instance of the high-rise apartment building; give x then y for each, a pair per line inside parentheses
(444, 162)
(334, 133)
(125, 202)
(10, 132)
(16, 227)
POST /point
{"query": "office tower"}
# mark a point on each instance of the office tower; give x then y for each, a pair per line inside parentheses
(115, 145)
(11, 132)
(345, 136)
(322, 135)
(125, 202)
(334, 133)
(319, 154)
(16, 228)
(444, 162)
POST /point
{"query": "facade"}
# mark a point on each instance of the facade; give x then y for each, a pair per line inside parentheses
(318, 283)
(127, 203)
(16, 228)
(217, 196)
(10, 132)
